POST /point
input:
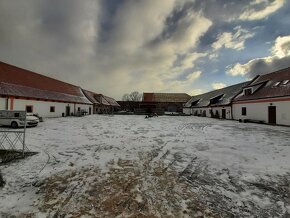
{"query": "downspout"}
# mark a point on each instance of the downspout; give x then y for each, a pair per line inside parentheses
(11, 103)
(232, 110)
(7, 103)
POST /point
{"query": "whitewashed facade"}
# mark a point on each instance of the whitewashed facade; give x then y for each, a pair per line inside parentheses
(214, 104)
(259, 110)
(266, 99)
(44, 108)
(3, 103)
(224, 112)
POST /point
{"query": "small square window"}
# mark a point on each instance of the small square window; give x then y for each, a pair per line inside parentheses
(29, 108)
(276, 84)
(285, 82)
(52, 109)
(248, 91)
(244, 111)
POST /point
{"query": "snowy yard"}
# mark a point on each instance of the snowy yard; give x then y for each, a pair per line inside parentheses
(128, 166)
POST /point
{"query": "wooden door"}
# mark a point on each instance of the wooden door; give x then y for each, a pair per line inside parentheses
(223, 113)
(272, 114)
(67, 110)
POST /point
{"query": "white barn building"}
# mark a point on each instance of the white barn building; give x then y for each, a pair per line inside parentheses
(21, 89)
(215, 104)
(266, 99)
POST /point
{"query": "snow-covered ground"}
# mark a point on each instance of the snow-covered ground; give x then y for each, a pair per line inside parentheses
(128, 166)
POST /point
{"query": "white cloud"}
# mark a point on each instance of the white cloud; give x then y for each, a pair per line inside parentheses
(279, 59)
(259, 9)
(150, 54)
(82, 43)
(193, 76)
(282, 47)
(195, 92)
(189, 59)
(235, 40)
(218, 85)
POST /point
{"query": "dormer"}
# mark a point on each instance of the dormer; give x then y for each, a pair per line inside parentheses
(285, 82)
(248, 91)
(216, 99)
(194, 103)
(276, 84)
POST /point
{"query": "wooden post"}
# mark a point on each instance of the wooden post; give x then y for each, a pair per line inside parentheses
(23, 143)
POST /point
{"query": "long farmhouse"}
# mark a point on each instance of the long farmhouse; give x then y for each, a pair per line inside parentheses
(215, 104)
(265, 99)
(21, 89)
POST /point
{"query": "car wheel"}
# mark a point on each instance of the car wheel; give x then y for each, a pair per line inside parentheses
(14, 125)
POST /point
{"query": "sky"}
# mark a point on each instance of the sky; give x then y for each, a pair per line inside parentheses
(119, 46)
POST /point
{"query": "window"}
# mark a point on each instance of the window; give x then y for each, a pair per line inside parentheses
(29, 108)
(16, 115)
(79, 109)
(276, 84)
(52, 109)
(244, 111)
(248, 91)
(285, 82)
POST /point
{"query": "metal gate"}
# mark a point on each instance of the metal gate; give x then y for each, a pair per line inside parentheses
(12, 142)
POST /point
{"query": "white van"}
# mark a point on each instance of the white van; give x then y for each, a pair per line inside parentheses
(16, 119)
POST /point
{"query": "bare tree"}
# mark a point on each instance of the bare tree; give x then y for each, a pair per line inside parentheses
(125, 97)
(133, 96)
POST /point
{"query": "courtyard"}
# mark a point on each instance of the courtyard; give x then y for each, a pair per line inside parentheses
(128, 166)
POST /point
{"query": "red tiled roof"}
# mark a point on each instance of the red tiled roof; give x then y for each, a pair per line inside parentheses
(91, 96)
(111, 101)
(166, 97)
(15, 75)
(265, 84)
(28, 92)
(102, 100)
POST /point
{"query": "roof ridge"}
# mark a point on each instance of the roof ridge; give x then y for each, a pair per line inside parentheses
(41, 89)
(39, 74)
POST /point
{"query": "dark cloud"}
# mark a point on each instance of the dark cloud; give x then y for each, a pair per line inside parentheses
(114, 46)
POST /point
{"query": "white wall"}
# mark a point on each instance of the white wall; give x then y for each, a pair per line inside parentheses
(259, 111)
(187, 111)
(214, 109)
(2, 103)
(43, 107)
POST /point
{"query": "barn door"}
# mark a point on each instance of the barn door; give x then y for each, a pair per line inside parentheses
(67, 110)
(272, 114)
(223, 113)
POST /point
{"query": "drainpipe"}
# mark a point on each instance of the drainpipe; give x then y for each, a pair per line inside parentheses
(11, 103)
(7, 103)
(232, 111)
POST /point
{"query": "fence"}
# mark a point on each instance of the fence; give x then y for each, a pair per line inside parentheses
(12, 142)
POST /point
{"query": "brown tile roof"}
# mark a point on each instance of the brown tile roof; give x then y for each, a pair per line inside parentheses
(111, 101)
(166, 97)
(7, 89)
(265, 86)
(19, 82)
(224, 96)
(91, 96)
(100, 98)
(18, 76)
